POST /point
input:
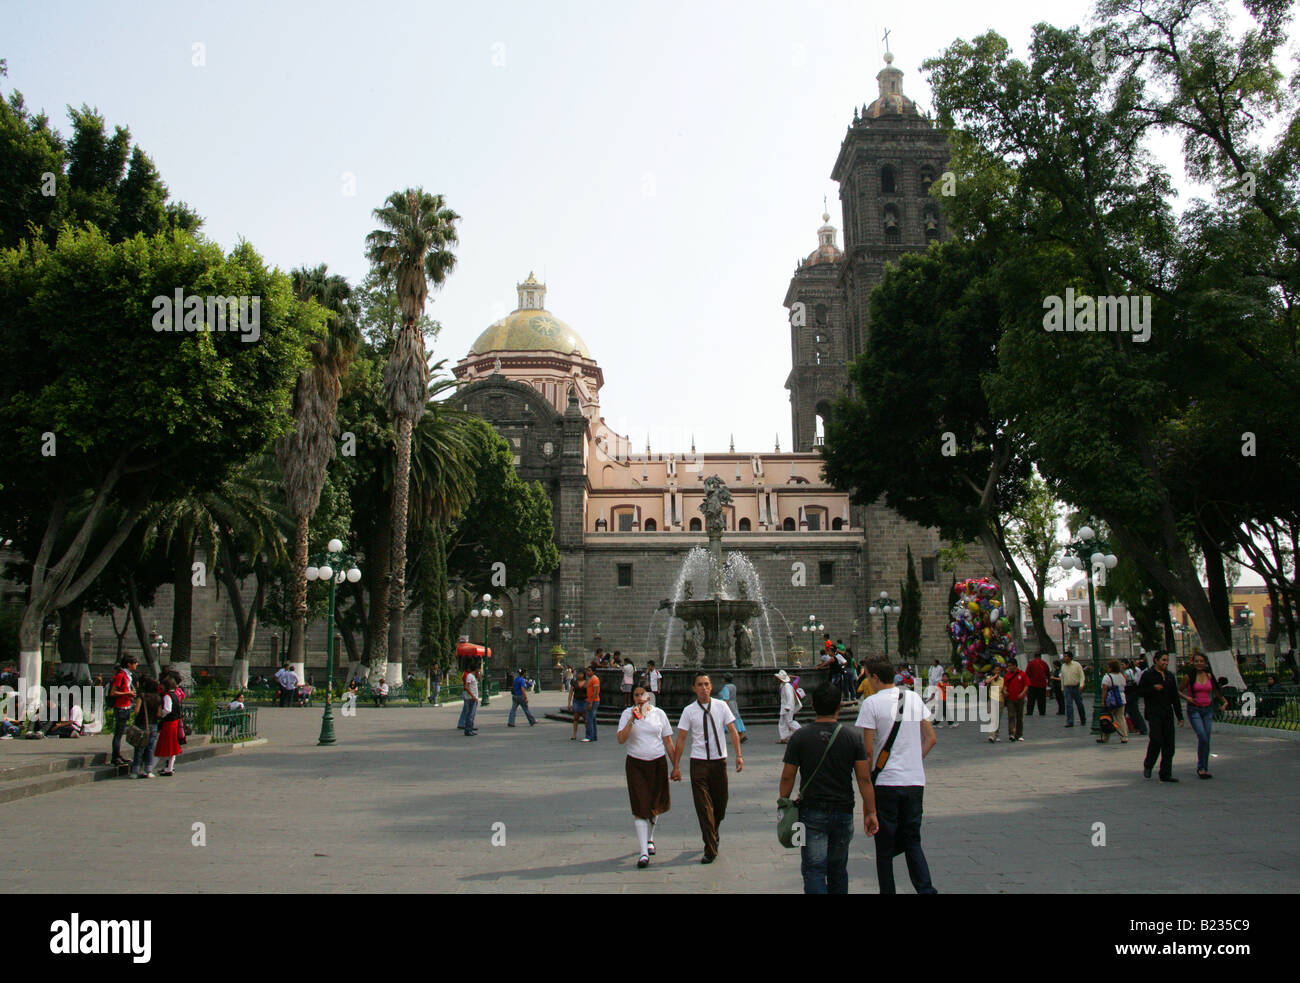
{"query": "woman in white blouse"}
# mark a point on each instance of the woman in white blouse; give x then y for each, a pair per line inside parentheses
(645, 729)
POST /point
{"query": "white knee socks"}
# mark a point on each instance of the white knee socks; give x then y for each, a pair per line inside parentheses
(643, 834)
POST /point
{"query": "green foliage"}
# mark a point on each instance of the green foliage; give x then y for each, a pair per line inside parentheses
(207, 704)
(909, 619)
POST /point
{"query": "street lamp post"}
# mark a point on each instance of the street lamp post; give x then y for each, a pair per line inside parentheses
(486, 612)
(567, 624)
(1085, 553)
(331, 567)
(537, 630)
(1062, 616)
(885, 607)
(812, 626)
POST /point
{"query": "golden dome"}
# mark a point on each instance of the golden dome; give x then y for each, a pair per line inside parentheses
(530, 330)
(530, 327)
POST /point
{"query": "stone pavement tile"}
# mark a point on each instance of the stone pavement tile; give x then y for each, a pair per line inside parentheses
(405, 803)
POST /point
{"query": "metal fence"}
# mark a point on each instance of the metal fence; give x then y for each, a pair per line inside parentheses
(229, 726)
(1279, 710)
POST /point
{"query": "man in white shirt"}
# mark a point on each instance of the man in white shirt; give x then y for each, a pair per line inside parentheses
(700, 729)
(786, 725)
(655, 677)
(629, 677)
(469, 693)
(900, 778)
(288, 680)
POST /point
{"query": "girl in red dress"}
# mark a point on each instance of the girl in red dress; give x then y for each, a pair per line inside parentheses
(169, 723)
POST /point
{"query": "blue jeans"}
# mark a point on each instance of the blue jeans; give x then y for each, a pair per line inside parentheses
(142, 761)
(899, 809)
(121, 718)
(519, 701)
(1201, 718)
(1073, 697)
(467, 714)
(592, 707)
(825, 853)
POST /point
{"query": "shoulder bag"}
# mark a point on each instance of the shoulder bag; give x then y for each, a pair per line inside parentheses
(135, 735)
(882, 759)
(787, 810)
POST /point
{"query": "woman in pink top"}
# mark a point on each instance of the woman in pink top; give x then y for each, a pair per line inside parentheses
(1200, 689)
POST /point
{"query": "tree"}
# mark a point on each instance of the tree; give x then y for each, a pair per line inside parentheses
(909, 620)
(1031, 538)
(304, 452)
(109, 437)
(410, 251)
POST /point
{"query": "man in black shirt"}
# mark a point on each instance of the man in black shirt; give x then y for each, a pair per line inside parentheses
(826, 795)
(1159, 690)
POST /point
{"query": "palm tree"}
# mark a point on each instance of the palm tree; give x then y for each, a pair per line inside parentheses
(410, 252)
(305, 451)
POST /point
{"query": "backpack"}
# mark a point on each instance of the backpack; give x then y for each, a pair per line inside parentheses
(1114, 694)
(1106, 722)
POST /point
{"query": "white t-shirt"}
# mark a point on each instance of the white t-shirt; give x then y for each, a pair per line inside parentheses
(1116, 682)
(877, 713)
(628, 672)
(936, 675)
(693, 721)
(648, 733)
(655, 676)
(471, 685)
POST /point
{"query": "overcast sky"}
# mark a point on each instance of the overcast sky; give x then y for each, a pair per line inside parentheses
(661, 165)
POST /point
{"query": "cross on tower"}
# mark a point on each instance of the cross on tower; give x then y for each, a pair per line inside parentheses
(886, 39)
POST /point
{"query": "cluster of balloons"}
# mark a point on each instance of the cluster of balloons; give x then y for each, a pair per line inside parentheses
(980, 627)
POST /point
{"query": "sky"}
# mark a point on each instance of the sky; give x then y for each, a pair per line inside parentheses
(661, 166)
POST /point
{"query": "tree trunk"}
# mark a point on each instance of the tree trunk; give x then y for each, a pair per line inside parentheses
(72, 651)
(29, 662)
(377, 577)
(182, 605)
(397, 590)
(1216, 582)
(1010, 601)
(150, 656)
(298, 626)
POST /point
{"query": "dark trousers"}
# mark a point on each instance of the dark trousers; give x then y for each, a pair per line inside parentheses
(1058, 694)
(709, 788)
(1160, 743)
(1037, 698)
(121, 719)
(899, 809)
(286, 696)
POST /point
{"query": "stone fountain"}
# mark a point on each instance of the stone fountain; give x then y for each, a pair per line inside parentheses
(718, 618)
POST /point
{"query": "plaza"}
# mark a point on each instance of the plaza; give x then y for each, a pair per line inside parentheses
(405, 803)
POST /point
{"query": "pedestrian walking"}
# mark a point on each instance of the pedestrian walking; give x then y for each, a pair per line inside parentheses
(122, 692)
(1015, 694)
(646, 731)
(1162, 702)
(944, 713)
(1058, 692)
(381, 693)
(828, 758)
(568, 678)
(790, 705)
(169, 725)
(728, 695)
(1112, 699)
(654, 679)
(897, 734)
(519, 698)
(1200, 689)
(147, 719)
(593, 705)
(1132, 673)
(629, 679)
(1072, 679)
(1038, 672)
(469, 681)
(578, 700)
(699, 732)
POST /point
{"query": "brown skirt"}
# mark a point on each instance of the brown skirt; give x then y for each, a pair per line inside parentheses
(647, 787)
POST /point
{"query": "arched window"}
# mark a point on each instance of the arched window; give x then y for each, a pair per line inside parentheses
(892, 232)
(888, 183)
(927, 178)
(931, 225)
(695, 525)
(744, 525)
(651, 525)
(788, 525)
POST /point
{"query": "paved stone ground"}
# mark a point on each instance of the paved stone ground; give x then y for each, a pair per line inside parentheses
(404, 802)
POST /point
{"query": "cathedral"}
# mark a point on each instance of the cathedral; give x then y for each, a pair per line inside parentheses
(626, 517)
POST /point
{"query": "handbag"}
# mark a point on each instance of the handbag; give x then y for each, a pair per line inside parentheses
(137, 736)
(787, 810)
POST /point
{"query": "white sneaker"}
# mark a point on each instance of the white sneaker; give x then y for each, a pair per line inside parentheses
(586, 740)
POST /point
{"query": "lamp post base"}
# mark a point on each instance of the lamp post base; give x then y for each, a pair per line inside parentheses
(327, 725)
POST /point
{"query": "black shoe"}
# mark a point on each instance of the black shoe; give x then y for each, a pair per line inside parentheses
(650, 848)
(1146, 772)
(1203, 774)
(509, 725)
(1169, 779)
(706, 859)
(644, 861)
